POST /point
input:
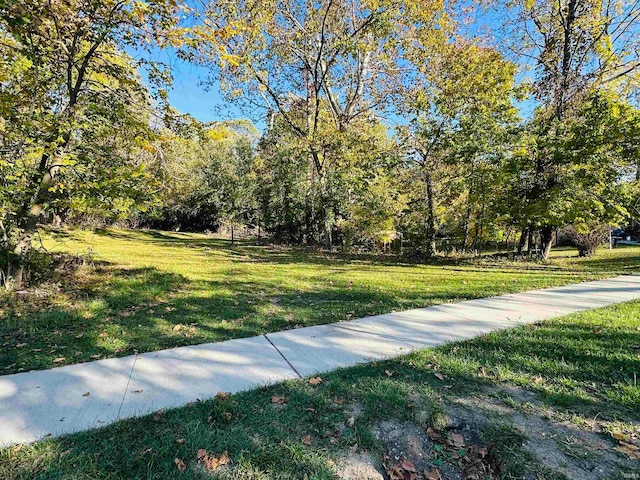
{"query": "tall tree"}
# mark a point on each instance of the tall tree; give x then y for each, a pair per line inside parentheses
(460, 110)
(70, 65)
(577, 47)
(316, 67)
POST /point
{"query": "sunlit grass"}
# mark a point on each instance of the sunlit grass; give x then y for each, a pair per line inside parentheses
(149, 290)
(580, 369)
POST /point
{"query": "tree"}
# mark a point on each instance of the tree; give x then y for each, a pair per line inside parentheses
(577, 47)
(593, 163)
(229, 181)
(68, 71)
(461, 116)
(358, 199)
(314, 68)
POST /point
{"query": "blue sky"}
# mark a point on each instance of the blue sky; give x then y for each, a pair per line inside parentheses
(188, 95)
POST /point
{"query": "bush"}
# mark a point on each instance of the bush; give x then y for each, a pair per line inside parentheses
(587, 242)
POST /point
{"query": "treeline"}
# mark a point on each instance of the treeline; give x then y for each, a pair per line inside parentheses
(387, 122)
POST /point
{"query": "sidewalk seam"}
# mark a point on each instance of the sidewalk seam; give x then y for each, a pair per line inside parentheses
(126, 388)
(282, 355)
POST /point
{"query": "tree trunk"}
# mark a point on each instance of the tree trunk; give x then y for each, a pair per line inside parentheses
(431, 220)
(259, 232)
(523, 244)
(546, 239)
(327, 237)
(32, 209)
(481, 229)
(467, 221)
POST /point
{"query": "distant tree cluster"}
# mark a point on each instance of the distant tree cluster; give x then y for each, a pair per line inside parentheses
(386, 122)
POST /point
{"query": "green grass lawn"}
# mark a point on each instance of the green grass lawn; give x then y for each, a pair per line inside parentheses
(149, 290)
(555, 400)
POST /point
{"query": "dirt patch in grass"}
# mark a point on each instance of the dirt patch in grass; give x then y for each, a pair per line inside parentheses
(484, 437)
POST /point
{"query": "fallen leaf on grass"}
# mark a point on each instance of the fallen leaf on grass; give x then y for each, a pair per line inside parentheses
(407, 465)
(403, 470)
(432, 474)
(315, 381)
(223, 395)
(180, 464)
(439, 376)
(180, 441)
(59, 360)
(212, 462)
(338, 400)
(306, 440)
(630, 450)
(158, 415)
(350, 422)
(279, 400)
(334, 437)
(388, 373)
(455, 439)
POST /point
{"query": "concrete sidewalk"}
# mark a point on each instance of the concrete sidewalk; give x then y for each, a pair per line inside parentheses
(77, 397)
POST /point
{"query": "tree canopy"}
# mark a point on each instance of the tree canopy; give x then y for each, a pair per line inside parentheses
(382, 122)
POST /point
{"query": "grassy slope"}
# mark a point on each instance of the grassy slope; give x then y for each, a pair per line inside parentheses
(560, 389)
(149, 290)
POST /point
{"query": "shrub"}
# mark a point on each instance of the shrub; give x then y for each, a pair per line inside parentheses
(587, 241)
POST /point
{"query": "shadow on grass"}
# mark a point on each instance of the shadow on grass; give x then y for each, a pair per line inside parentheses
(110, 311)
(102, 310)
(587, 368)
(575, 364)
